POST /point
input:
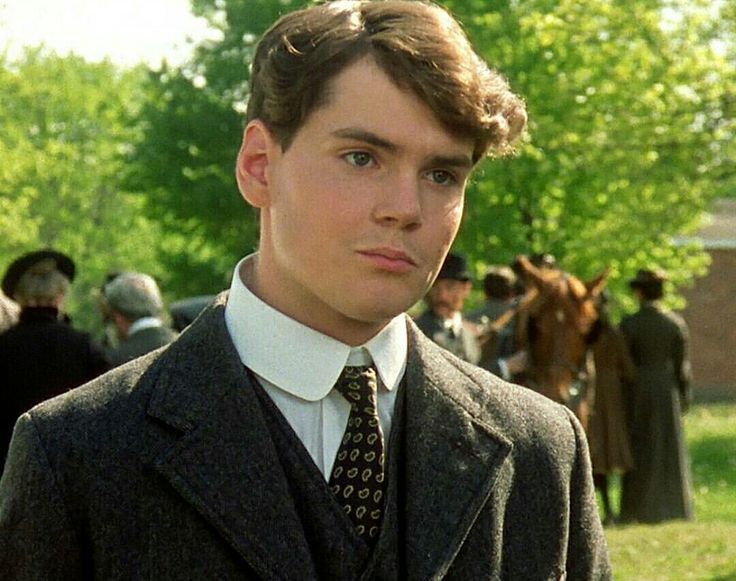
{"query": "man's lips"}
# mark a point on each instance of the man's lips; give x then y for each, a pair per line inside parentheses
(390, 259)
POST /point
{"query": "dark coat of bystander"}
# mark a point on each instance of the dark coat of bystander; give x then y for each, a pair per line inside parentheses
(659, 487)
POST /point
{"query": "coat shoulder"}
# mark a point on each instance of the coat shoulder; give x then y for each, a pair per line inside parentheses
(104, 401)
(111, 410)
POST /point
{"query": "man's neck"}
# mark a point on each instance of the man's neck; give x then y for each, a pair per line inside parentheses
(329, 322)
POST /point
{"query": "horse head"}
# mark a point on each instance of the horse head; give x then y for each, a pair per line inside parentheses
(559, 313)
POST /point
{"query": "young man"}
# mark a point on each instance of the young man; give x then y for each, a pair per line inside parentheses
(443, 321)
(223, 457)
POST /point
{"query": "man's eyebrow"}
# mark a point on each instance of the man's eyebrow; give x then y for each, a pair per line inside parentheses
(459, 161)
(366, 136)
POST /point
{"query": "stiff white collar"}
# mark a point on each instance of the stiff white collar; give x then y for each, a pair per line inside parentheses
(298, 359)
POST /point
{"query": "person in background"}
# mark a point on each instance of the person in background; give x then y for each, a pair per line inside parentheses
(302, 427)
(496, 321)
(659, 486)
(499, 288)
(184, 311)
(443, 320)
(42, 355)
(608, 433)
(134, 305)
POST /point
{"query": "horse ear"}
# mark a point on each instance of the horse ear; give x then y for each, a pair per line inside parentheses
(529, 270)
(596, 285)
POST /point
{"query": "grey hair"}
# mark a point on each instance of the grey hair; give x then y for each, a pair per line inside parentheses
(134, 295)
(41, 284)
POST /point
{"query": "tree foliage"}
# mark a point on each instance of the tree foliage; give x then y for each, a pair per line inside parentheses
(65, 127)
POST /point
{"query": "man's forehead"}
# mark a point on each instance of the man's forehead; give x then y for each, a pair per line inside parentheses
(337, 92)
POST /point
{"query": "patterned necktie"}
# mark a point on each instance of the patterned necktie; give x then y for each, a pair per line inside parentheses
(357, 476)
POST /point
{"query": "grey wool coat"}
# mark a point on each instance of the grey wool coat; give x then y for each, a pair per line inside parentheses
(163, 469)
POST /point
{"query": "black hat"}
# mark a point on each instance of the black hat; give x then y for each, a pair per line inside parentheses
(455, 267)
(20, 266)
(499, 281)
(646, 277)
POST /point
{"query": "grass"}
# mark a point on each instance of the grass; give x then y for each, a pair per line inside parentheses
(704, 549)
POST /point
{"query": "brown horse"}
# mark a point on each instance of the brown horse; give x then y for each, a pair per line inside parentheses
(556, 318)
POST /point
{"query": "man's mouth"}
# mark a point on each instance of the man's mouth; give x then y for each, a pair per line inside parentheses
(390, 259)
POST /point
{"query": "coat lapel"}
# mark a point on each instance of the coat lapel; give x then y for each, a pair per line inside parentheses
(453, 457)
(224, 463)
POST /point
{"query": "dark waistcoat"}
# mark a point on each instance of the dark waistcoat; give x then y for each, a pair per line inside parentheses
(337, 550)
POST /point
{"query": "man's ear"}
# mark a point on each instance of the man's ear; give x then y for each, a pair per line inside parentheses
(254, 157)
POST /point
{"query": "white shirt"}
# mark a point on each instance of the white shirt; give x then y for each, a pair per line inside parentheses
(454, 323)
(298, 366)
(144, 323)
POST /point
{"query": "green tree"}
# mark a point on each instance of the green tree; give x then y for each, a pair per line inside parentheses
(65, 129)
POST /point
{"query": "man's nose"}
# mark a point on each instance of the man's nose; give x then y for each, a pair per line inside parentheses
(400, 203)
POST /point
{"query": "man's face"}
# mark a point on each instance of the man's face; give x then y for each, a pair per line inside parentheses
(359, 212)
(447, 297)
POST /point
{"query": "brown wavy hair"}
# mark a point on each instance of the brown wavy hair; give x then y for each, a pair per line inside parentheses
(419, 45)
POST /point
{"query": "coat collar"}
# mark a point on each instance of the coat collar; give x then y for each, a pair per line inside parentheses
(453, 457)
(223, 462)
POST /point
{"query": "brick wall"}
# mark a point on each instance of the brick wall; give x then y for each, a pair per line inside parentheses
(711, 316)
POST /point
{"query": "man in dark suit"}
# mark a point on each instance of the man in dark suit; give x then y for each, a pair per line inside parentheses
(443, 320)
(132, 301)
(42, 355)
(229, 455)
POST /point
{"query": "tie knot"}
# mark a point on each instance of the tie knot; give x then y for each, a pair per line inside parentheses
(358, 385)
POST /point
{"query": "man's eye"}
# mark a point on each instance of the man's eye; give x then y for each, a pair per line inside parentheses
(442, 177)
(359, 158)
